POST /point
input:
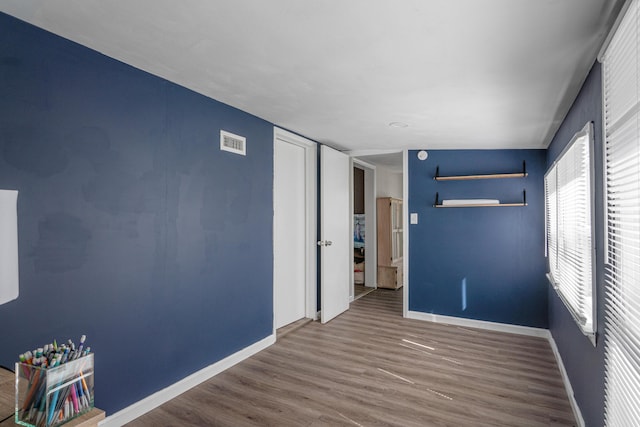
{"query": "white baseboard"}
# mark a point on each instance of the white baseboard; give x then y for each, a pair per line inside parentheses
(480, 324)
(145, 405)
(567, 384)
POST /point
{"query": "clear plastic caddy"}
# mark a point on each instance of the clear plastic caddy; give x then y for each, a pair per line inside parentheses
(47, 397)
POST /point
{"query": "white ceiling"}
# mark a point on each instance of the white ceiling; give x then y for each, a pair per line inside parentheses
(461, 74)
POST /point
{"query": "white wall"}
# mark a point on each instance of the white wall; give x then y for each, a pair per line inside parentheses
(388, 183)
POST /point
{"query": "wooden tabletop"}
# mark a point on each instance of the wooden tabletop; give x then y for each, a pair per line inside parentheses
(7, 396)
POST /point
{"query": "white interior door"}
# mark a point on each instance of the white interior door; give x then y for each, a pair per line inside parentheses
(289, 233)
(336, 253)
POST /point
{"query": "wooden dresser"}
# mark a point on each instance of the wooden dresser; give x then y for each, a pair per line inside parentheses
(7, 404)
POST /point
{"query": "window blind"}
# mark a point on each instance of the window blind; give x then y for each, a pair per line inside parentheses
(622, 233)
(551, 220)
(569, 229)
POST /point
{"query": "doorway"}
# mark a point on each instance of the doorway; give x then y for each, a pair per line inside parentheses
(364, 229)
(388, 172)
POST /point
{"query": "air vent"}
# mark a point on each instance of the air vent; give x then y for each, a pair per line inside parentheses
(233, 143)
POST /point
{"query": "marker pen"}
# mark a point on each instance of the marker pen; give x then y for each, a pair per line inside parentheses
(82, 340)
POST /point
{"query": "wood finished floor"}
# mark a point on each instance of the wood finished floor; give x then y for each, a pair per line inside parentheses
(360, 290)
(371, 367)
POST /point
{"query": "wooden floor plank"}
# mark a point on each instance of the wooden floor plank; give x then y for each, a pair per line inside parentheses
(371, 367)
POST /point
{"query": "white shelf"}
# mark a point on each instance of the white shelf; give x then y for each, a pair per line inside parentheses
(438, 203)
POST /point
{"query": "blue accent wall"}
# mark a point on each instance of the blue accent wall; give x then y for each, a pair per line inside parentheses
(483, 263)
(584, 362)
(134, 228)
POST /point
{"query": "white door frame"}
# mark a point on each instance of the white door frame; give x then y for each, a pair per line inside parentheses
(370, 229)
(405, 231)
(310, 149)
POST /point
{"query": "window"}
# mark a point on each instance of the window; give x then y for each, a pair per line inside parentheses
(622, 222)
(569, 229)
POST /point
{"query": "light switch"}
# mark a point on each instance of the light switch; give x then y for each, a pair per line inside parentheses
(413, 218)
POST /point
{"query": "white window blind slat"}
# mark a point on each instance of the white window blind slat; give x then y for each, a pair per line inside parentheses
(621, 95)
(621, 408)
(622, 55)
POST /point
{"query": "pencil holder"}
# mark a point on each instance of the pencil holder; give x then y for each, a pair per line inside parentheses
(48, 397)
